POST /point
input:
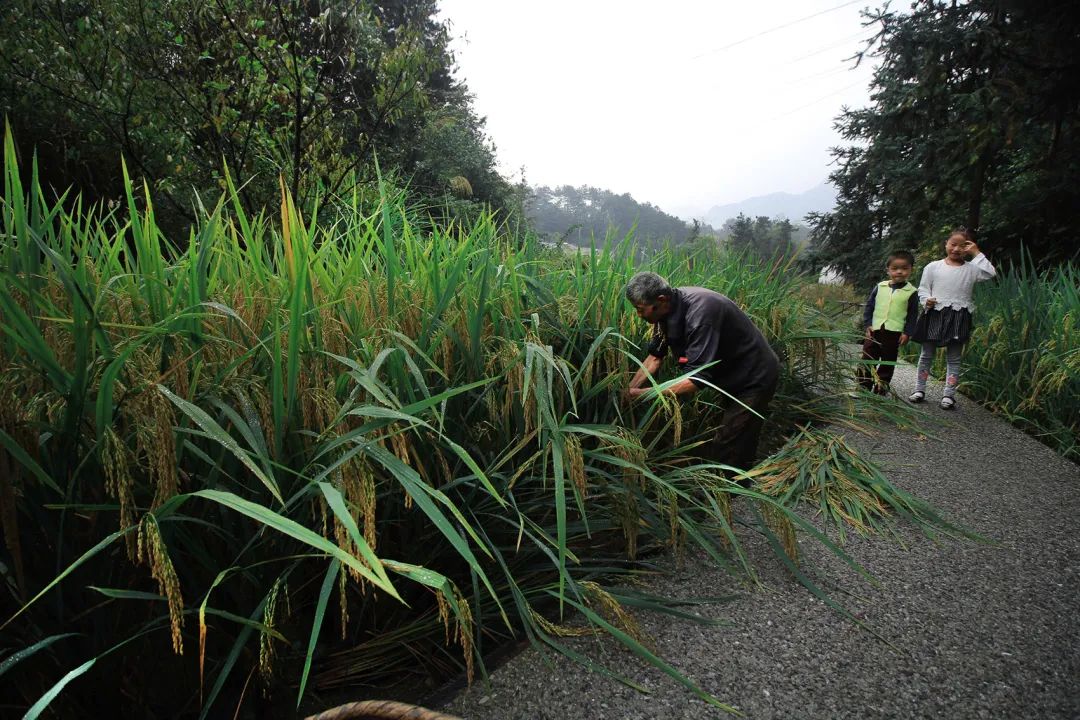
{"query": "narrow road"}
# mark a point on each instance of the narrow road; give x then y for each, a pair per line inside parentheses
(979, 630)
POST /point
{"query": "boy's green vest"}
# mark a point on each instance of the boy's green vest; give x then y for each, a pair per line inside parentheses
(890, 306)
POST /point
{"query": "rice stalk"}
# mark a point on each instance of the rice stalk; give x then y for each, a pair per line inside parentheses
(818, 468)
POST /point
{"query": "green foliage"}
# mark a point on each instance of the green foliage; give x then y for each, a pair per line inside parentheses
(297, 456)
(307, 91)
(974, 121)
(313, 452)
(580, 215)
(762, 237)
(1023, 360)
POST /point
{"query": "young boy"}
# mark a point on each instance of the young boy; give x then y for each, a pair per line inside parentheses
(889, 318)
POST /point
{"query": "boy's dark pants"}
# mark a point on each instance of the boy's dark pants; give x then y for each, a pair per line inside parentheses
(882, 345)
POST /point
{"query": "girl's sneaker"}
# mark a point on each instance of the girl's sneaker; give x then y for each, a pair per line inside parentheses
(947, 403)
(917, 397)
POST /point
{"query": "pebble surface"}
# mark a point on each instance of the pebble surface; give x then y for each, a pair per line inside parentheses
(973, 630)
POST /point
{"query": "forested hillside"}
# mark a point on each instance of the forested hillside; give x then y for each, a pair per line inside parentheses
(577, 214)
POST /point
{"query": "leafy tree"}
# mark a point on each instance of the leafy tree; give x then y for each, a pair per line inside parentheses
(973, 121)
(761, 237)
(311, 91)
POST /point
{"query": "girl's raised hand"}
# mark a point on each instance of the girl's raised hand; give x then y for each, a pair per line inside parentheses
(971, 249)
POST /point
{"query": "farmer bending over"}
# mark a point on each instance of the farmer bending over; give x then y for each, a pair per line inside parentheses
(699, 327)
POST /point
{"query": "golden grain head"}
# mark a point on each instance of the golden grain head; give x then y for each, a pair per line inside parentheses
(575, 462)
(152, 550)
(116, 463)
(267, 650)
(605, 604)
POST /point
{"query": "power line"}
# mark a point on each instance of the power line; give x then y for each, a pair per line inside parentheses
(774, 29)
(845, 41)
(840, 43)
(823, 97)
(826, 73)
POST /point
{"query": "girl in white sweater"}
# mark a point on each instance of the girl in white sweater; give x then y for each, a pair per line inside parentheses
(945, 291)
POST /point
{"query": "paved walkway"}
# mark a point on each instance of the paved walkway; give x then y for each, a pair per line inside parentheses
(981, 631)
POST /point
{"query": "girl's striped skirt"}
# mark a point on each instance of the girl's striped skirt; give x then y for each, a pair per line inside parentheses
(947, 326)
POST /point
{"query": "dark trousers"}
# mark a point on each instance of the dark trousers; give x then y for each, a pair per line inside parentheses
(736, 440)
(882, 345)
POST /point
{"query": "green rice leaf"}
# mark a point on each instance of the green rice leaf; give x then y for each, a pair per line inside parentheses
(13, 659)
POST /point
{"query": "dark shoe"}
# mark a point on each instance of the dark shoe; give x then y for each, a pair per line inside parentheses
(917, 397)
(947, 403)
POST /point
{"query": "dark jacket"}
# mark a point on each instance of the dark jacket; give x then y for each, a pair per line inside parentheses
(704, 326)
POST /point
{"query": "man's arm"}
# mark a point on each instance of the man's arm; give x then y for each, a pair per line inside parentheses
(683, 387)
(700, 349)
(648, 368)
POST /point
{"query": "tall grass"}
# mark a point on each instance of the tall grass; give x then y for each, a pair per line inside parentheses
(290, 455)
(1023, 359)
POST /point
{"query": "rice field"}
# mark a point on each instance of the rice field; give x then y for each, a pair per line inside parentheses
(294, 453)
(1024, 355)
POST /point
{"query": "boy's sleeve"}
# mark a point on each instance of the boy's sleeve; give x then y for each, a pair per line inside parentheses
(912, 314)
(984, 267)
(868, 308)
(926, 283)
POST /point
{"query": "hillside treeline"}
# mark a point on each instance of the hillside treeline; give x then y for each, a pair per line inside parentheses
(577, 214)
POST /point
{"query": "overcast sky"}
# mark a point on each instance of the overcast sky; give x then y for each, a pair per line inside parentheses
(682, 104)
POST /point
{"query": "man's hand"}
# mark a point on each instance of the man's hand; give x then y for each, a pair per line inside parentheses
(634, 393)
(903, 339)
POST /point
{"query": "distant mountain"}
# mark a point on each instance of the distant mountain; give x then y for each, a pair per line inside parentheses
(575, 215)
(794, 207)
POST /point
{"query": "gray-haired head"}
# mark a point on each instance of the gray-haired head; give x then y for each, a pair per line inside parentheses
(645, 287)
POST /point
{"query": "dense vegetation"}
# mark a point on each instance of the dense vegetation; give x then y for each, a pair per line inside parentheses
(316, 92)
(583, 215)
(285, 452)
(299, 455)
(586, 215)
(761, 237)
(975, 120)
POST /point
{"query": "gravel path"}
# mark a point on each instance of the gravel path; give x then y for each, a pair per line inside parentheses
(980, 630)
